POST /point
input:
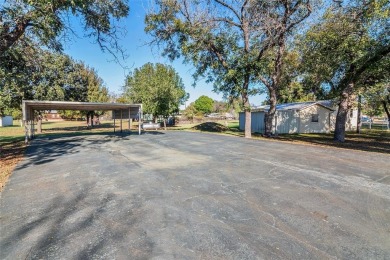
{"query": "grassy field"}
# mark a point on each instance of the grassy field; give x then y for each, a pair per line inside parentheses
(12, 146)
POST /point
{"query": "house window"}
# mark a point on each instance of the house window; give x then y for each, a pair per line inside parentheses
(314, 118)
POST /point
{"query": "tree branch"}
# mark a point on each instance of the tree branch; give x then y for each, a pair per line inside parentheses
(8, 38)
(354, 70)
(225, 20)
(291, 25)
(230, 8)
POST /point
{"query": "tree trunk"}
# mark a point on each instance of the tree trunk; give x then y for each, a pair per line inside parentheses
(165, 124)
(247, 108)
(359, 123)
(248, 117)
(269, 116)
(341, 118)
(384, 103)
(92, 115)
(248, 122)
(9, 37)
(273, 87)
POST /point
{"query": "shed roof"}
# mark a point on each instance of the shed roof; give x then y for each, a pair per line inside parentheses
(296, 106)
(31, 105)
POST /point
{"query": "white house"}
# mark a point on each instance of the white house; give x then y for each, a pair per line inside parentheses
(303, 117)
(6, 121)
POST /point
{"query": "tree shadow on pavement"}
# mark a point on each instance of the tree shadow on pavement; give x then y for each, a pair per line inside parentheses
(47, 148)
(81, 225)
(151, 132)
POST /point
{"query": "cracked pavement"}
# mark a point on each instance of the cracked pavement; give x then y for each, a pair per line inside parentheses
(183, 195)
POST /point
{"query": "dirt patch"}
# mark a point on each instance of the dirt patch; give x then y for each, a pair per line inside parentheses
(10, 155)
(211, 127)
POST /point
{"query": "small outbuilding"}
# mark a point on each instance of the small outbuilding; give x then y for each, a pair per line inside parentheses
(293, 118)
(6, 121)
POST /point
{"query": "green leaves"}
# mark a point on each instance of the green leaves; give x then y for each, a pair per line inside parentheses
(343, 41)
(204, 104)
(47, 21)
(27, 72)
(158, 87)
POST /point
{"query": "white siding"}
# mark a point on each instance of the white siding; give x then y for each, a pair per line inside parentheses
(286, 122)
(306, 124)
(291, 121)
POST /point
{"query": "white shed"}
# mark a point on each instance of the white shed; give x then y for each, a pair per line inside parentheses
(6, 121)
(352, 117)
(305, 117)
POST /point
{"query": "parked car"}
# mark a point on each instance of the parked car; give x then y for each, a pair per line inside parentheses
(150, 125)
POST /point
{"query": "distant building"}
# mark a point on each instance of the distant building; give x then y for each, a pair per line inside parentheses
(6, 121)
(302, 117)
(52, 115)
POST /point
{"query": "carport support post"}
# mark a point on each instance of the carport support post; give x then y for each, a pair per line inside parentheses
(25, 132)
(121, 120)
(139, 121)
(113, 115)
(27, 125)
(129, 120)
(32, 129)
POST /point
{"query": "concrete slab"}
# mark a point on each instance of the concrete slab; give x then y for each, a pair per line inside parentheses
(181, 195)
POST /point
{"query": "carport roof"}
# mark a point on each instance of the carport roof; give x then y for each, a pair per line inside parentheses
(30, 105)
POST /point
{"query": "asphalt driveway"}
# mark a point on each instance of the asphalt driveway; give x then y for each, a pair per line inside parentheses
(182, 195)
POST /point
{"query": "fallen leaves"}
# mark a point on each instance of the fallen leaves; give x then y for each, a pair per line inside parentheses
(10, 155)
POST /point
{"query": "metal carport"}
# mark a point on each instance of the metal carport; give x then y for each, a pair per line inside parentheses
(118, 109)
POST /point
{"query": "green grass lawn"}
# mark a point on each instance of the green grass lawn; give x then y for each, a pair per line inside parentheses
(370, 140)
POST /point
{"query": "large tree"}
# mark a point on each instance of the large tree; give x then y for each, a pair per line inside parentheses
(204, 104)
(228, 41)
(28, 72)
(278, 21)
(158, 87)
(49, 22)
(348, 43)
(43, 75)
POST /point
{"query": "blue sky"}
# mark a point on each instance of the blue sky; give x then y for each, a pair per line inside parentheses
(138, 52)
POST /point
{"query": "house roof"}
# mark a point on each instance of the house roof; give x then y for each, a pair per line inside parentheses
(297, 106)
